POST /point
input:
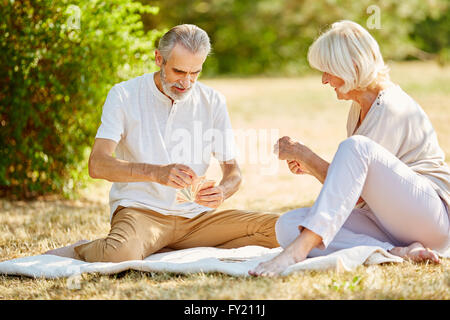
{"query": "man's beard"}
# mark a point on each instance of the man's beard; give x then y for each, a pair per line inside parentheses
(167, 88)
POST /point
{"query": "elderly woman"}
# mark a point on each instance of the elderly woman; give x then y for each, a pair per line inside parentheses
(388, 184)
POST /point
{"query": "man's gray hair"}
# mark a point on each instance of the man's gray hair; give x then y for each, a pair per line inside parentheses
(189, 36)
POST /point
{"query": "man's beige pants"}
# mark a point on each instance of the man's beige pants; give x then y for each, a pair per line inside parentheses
(137, 233)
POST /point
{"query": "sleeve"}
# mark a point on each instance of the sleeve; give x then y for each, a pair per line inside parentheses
(224, 146)
(113, 118)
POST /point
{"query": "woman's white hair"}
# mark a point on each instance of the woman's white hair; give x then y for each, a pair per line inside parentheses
(349, 52)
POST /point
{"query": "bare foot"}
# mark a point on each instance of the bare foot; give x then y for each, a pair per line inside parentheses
(68, 251)
(278, 264)
(296, 252)
(416, 252)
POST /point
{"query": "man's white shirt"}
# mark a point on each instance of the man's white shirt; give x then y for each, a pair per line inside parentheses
(150, 129)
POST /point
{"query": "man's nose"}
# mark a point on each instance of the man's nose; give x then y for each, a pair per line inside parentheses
(325, 78)
(185, 81)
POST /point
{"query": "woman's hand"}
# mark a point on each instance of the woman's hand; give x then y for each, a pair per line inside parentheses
(292, 151)
(288, 149)
(296, 167)
(305, 160)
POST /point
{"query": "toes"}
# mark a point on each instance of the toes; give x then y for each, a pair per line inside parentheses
(257, 271)
(433, 256)
(423, 255)
(267, 273)
(264, 270)
(253, 272)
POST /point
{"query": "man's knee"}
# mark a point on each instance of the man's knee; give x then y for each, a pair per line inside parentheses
(108, 250)
(131, 249)
(265, 229)
(267, 226)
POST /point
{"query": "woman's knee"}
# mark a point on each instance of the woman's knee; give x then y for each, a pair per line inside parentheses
(356, 143)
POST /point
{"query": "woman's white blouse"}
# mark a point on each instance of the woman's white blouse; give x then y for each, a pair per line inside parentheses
(400, 125)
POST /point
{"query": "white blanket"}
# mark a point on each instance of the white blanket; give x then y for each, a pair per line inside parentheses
(234, 262)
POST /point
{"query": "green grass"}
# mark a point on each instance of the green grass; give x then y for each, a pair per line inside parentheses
(301, 108)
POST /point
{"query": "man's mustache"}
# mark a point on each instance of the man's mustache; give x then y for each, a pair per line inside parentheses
(179, 86)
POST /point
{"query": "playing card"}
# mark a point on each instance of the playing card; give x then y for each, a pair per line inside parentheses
(189, 193)
(197, 184)
(182, 197)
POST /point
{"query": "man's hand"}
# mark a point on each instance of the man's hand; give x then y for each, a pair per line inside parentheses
(175, 175)
(210, 196)
(296, 167)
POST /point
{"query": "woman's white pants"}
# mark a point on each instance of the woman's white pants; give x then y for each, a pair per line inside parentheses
(402, 208)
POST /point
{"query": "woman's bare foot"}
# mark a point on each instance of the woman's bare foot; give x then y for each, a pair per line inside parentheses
(416, 252)
(296, 252)
(278, 264)
(68, 251)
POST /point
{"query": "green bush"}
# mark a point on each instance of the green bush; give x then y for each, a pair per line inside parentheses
(432, 35)
(58, 61)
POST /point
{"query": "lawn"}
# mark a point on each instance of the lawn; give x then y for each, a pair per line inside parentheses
(299, 107)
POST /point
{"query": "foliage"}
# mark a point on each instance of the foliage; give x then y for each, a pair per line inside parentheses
(59, 59)
(273, 36)
(433, 35)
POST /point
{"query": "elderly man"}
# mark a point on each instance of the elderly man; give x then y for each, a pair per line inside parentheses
(142, 120)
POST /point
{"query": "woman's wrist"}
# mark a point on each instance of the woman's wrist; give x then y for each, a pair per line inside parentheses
(308, 159)
(303, 153)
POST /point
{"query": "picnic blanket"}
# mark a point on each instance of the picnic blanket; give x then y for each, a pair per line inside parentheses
(235, 262)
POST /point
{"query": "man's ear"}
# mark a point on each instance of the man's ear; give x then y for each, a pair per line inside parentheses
(158, 58)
